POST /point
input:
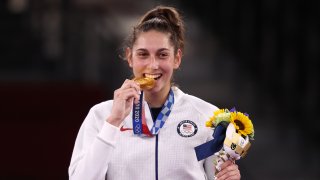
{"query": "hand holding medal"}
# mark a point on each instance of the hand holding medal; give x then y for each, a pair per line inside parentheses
(125, 96)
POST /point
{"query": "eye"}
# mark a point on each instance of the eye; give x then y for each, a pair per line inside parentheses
(163, 55)
(142, 54)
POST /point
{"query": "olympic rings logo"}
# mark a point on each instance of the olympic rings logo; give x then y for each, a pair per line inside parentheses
(137, 129)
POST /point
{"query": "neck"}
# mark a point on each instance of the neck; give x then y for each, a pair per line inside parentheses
(157, 99)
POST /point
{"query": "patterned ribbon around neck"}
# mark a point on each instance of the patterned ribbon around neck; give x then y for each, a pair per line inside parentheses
(138, 117)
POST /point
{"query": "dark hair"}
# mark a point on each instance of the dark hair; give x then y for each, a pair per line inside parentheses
(163, 19)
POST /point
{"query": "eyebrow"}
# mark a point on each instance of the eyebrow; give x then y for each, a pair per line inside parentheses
(161, 49)
(164, 49)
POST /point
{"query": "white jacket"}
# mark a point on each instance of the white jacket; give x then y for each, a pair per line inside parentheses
(102, 151)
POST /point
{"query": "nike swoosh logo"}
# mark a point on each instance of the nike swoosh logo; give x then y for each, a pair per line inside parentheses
(125, 129)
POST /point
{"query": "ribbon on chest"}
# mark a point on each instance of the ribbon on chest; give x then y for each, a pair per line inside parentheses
(139, 121)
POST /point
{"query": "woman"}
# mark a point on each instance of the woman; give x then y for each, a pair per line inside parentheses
(149, 134)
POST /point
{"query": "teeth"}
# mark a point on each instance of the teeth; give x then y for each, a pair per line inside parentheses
(154, 76)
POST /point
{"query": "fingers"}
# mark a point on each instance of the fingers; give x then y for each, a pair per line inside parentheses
(128, 90)
(123, 98)
(225, 164)
(130, 84)
(229, 171)
(126, 94)
(122, 101)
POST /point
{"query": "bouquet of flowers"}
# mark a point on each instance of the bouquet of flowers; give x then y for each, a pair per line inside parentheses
(239, 130)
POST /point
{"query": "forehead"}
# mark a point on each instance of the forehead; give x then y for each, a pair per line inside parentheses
(153, 40)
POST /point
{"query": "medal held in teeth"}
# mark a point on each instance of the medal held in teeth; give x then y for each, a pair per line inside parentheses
(145, 83)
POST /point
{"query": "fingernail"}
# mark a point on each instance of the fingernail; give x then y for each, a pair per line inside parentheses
(139, 92)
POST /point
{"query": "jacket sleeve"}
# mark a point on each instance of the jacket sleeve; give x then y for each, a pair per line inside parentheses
(208, 164)
(209, 167)
(93, 148)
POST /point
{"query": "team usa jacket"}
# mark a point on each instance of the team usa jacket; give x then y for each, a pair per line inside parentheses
(103, 151)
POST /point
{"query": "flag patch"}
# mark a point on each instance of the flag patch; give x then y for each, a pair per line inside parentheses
(187, 128)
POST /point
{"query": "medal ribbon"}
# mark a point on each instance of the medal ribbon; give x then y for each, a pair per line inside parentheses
(139, 121)
(137, 116)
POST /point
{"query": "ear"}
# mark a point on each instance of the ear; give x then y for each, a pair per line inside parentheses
(129, 56)
(177, 59)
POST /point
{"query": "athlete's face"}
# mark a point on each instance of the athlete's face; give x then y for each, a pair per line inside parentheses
(152, 55)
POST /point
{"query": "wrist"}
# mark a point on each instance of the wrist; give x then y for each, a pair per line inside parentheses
(114, 121)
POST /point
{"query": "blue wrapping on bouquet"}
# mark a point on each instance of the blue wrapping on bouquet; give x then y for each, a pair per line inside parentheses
(209, 148)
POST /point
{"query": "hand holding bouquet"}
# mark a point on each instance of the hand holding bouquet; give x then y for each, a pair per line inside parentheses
(239, 131)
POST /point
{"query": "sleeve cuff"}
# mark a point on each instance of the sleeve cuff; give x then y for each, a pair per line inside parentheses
(109, 133)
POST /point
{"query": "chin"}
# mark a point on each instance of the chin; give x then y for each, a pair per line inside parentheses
(153, 90)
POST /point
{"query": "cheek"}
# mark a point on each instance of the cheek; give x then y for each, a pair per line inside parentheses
(138, 66)
(168, 69)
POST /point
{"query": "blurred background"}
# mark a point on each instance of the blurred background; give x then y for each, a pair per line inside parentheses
(60, 57)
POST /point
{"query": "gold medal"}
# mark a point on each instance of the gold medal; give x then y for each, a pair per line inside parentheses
(145, 82)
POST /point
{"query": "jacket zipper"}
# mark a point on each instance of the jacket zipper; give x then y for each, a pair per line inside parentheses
(154, 115)
(156, 157)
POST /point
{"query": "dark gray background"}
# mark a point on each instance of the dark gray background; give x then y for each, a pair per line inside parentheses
(60, 57)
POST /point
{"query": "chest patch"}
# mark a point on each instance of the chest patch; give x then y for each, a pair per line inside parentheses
(187, 128)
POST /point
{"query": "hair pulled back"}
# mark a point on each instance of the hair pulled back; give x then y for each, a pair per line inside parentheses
(163, 19)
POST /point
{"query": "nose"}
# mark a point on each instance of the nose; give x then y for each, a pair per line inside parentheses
(154, 64)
